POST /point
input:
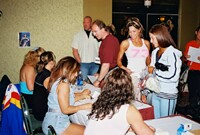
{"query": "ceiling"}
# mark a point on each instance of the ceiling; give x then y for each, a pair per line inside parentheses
(157, 6)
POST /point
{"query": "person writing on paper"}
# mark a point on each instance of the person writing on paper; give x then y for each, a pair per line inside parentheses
(113, 113)
(108, 50)
(166, 65)
(194, 71)
(61, 98)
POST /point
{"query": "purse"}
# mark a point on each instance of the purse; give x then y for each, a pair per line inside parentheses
(152, 83)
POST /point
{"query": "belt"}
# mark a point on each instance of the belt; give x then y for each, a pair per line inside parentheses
(54, 110)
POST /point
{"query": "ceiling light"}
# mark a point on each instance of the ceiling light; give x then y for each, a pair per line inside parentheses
(147, 3)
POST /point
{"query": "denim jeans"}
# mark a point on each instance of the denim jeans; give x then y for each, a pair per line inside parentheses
(89, 69)
(163, 107)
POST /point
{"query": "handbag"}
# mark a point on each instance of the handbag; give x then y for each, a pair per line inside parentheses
(152, 83)
(183, 86)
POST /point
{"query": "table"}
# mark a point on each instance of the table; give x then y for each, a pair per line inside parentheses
(145, 110)
(81, 117)
(171, 124)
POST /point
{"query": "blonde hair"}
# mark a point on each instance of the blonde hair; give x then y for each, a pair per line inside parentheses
(32, 57)
(111, 29)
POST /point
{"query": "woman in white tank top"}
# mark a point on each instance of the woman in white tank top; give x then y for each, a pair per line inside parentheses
(137, 53)
(112, 113)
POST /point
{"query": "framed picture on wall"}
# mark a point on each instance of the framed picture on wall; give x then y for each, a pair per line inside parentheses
(24, 39)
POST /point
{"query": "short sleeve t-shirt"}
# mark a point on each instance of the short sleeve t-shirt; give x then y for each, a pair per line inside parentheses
(109, 50)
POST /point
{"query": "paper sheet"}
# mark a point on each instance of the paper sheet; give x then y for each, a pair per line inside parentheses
(92, 78)
(194, 54)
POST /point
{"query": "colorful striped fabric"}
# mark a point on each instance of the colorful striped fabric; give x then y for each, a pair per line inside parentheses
(12, 117)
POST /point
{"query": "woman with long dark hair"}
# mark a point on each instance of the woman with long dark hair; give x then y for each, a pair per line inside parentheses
(40, 93)
(166, 65)
(61, 98)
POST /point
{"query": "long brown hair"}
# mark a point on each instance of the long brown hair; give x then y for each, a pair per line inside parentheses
(64, 69)
(162, 35)
(117, 91)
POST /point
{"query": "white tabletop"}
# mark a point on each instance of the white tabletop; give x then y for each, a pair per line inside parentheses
(171, 124)
(81, 116)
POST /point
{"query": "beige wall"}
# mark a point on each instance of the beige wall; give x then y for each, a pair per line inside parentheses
(98, 9)
(52, 25)
(189, 16)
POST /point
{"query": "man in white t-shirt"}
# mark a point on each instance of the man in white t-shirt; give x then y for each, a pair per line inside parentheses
(85, 49)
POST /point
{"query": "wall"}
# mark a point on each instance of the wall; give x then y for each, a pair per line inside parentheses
(52, 25)
(189, 19)
(98, 9)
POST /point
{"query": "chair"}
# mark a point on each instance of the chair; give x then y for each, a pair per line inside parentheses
(51, 130)
(27, 119)
(26, 116)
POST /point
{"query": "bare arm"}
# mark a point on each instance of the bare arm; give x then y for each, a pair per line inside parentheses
(46, 82)
(82, 95)
(76, 55)
(136, 122)
(63, 91)
(123, 47)
(104, 70)
(148, 59)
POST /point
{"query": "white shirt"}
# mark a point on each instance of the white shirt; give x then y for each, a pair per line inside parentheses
(117, 125)
(88, 48)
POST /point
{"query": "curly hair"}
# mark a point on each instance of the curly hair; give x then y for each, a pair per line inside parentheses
(64, 69)
(32, 57)
(117, 91)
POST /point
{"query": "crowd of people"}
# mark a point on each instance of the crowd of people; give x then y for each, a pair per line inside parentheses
(46, 85)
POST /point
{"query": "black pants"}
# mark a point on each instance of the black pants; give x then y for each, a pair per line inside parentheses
(194, 86)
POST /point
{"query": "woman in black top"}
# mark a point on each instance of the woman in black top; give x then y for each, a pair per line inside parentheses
(40, 93)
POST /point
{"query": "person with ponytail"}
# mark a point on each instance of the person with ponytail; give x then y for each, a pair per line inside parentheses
(40, 93)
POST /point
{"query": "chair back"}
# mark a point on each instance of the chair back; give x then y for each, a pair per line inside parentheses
(51, 130)
(26, 116)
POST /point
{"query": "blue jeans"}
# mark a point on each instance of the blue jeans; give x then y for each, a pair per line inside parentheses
(163, 107)
(89, 69)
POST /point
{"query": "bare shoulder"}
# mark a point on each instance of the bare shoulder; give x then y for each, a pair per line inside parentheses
(63, 86)
(147, 43)
(28, 67)
(125, 44)
(133, 114)
(132, 109)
